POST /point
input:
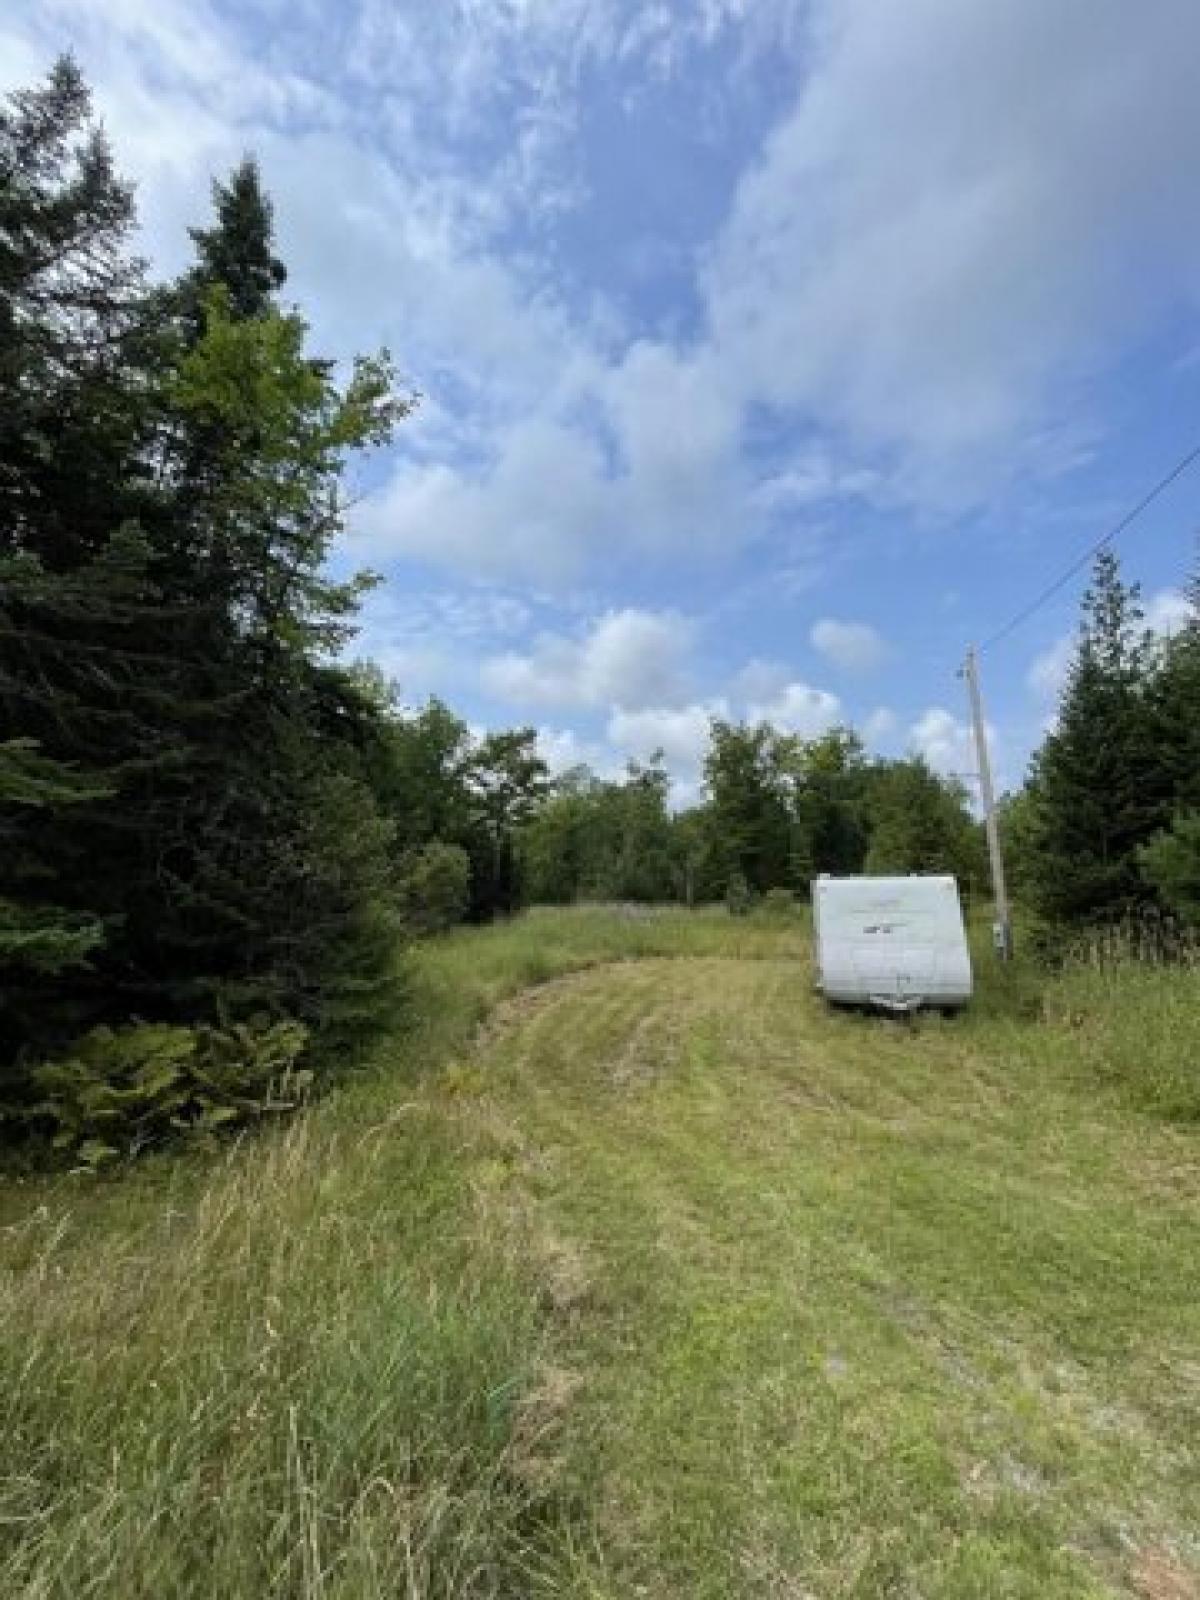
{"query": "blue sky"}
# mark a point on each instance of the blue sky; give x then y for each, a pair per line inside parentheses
(770, 350)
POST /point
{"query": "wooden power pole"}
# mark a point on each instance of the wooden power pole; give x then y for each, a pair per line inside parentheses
(1003, 926)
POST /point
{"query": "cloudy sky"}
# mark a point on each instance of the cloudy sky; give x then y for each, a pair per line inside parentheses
(771, 350)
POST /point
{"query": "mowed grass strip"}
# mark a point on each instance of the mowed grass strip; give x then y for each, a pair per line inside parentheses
(654, 1278)
(868, 1309)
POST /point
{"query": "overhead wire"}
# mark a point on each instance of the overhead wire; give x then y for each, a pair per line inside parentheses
(1092, 551)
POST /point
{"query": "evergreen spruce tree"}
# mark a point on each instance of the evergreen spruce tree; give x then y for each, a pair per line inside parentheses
(41, 941)
(280, 893)
(81, 625)
(183, 800)
(1175, 707)
(1170, 863)
(237, 252)
(1099, 786)
(75, 361)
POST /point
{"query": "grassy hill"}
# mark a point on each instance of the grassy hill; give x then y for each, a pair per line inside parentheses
(628, 1270)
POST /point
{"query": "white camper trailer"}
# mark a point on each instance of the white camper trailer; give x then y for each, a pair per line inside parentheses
(897, 943)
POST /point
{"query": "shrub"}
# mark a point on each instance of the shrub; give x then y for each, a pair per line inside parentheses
(434, 887)
(1170, 863)
(779, 903)
(120, 1090)
(739, 898)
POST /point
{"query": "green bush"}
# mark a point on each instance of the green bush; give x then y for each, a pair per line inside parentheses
(120, 1090)
(778, 903)
(434, 888)
(739, 897)
(1170, 863)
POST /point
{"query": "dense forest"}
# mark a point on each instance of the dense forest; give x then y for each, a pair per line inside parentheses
(216, 831)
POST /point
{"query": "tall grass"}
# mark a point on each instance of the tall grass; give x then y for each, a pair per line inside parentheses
(291, 1375)
(312, 1366)
(1132, 1005)
(299, 1368)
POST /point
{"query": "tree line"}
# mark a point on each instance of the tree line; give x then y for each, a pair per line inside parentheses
(778, 810)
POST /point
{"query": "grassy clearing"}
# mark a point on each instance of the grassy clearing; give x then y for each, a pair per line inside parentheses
(662, 1281)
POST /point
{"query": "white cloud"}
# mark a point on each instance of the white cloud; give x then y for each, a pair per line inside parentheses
(655, 468)
(799, 708)
(536, 509)
(676, 423)
(629, 659)
(428, 642)
(759, 679)
(394, 233)
(680, 732)
(965, 209)
(879, 726)
(816, 476)
(852, 646)
(417, 670)
(563, 748)
(1168, 611)
(970, 207)
(1048, 670)
(946, 743)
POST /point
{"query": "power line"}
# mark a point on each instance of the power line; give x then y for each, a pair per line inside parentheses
(1176, 471)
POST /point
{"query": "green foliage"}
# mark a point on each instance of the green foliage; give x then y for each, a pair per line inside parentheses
(1170, 863)
(1098, 787)
(1016, 816)
(46, 939)
(118, 1091)
(238, 252)
(506, 780)
(263, 431)
(34, 936)
(739, 896)
(75, 336)
(1174, 695)
(597, 839)
(780, 811)
(1134, 1023)
(436, 783)
(187, 815)
(920, 823)
(1104, 834)
(831, 784)
(778, 903)
(697, 859)
(747, 779)
(418, 766)
(434, 887)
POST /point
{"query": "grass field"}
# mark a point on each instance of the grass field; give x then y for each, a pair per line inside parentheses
(630, 1271)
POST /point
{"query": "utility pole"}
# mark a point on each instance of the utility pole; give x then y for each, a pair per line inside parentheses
(1003, 925)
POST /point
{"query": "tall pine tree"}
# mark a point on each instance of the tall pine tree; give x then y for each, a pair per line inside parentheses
(81, 624)
(278, 890)
(237, 252)
(1098, 785)
(1170, 863)
(182, 799)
